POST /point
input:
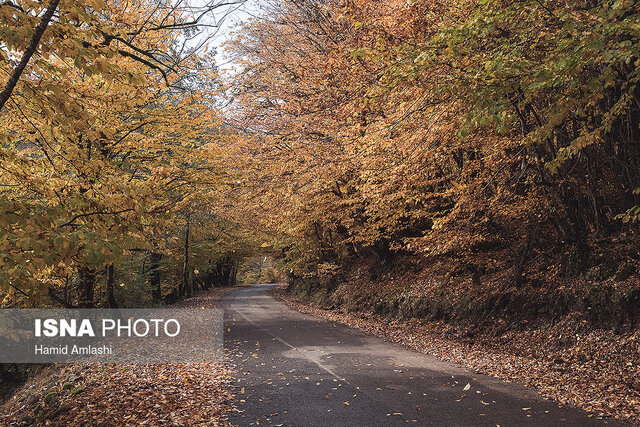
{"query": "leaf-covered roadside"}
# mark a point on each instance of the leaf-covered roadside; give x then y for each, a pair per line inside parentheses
(596, 371)
(126, 394)
(171, 394)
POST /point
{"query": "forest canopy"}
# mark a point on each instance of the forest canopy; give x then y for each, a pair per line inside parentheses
(496, 139)
(493, 142)
(111, 147)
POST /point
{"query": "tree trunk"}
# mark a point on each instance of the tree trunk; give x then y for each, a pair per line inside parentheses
(195, 282)
(28, 53)
(226, 274)
(87, 284)
(234, 274)
(111, 299)
(186, 287)
(154, 276)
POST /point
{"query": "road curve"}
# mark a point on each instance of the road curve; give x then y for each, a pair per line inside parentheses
(294, 369)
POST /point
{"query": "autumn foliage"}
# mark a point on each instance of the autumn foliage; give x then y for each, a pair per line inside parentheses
(110, 147)
(492, 143)
(476, 162)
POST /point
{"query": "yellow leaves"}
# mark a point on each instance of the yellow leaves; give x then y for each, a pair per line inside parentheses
(100, 154)
(69, 48)
(96, 5)
(22, 32)
(24, 244)
(102, 65)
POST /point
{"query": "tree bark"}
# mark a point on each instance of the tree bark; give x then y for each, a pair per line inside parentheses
(154, 276)
(186, 287)
(195, 282)
(234, 274)
(111, 299)
(31, 49)
(87, 284)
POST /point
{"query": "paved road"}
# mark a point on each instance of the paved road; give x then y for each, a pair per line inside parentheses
(297, 370)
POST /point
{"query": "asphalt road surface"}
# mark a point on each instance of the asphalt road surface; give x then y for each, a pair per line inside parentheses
(294, 369)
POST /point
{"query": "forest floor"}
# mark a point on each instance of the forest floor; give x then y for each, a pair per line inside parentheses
(601, 375)
(125, 394)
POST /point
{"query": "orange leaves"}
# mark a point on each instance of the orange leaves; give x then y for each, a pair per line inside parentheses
(356, 151)
(358, 134)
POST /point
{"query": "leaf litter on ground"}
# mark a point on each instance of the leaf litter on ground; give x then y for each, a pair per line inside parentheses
(169, 394)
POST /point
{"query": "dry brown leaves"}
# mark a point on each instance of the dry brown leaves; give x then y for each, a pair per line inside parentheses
(125, 394)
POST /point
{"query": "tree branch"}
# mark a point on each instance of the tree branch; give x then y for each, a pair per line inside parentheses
(72, 220)
(31, 49)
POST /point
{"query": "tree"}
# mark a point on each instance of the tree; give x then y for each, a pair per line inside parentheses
(443, 129)
(102, 135)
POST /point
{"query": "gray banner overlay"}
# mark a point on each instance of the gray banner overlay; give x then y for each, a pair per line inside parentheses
(111, 336)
